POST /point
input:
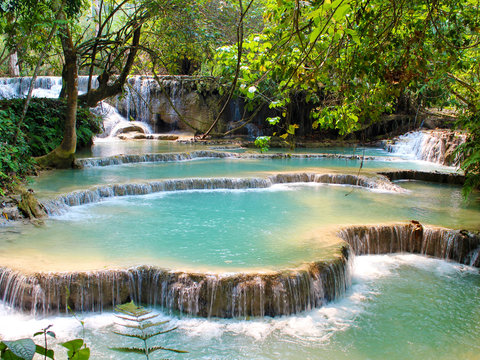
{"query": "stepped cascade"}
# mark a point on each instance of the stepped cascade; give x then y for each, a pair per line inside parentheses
(235, 295)
(217, 235)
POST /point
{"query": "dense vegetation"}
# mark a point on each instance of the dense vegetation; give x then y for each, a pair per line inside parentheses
(40, 133)
(350, 60)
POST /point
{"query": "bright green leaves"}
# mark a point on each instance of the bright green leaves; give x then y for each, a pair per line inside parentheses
(263, 143)
(354, 35)
(77, 350)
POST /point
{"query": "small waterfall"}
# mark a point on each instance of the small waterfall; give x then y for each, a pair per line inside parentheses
(438, 177)
(95, 194)
(115, 124)
(156, 157)
(436, 146)
(447, 244)
(206, 295)
(45, 86)
(160, 157)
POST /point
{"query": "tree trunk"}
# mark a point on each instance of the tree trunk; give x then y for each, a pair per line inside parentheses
(63, 155)
(14, 69)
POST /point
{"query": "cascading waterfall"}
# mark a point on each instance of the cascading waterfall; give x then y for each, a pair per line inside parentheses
(162, 157)
(447, 244)
(436, 146)
(50, 87)
(114, 123)
(148, 101)
(239, 294)
(207, 295)
(95, 194)
(45, 86)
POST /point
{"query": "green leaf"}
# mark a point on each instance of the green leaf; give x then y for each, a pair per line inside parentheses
(273, 120)
(155, 348)
(341, 11)
(315, 33)
(41, 350)
(73, 345)
(129, 350)
(9, 355)
(83, 354)
(354, 35)
(23, 348)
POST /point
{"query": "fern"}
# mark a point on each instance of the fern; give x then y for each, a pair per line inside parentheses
(140, 326)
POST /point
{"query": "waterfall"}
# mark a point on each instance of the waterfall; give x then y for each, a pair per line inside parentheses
(115, 124)
(237, 295)
(148, 101)
(50, 87)
(207, 295)
(161, 157)
(44, 87)
(97, 193)
(439, 177)
(436, 146)
(447, 244)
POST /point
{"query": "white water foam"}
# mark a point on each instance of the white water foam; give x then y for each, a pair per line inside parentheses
(312, 329)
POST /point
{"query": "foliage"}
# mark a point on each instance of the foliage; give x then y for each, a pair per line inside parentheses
(15, 156)
(262, 142)
(44, 122)
(354, 59)
(25, 349)
(140, 326)
(470, 152)
(41, 132)
(25, 25)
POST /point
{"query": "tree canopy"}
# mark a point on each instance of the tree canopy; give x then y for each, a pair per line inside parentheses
(350, 60)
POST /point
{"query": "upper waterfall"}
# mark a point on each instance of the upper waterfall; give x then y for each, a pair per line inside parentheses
(436, 146)
(50, 87)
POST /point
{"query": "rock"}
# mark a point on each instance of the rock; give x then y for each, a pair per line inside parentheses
(132, 136)
(130, 128)
(30, 206)
(162, 137)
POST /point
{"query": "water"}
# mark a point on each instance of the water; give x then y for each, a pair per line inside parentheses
(399, 307)
(281, 226)
(68, 180)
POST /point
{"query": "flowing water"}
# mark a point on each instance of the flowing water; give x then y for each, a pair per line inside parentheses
(399, 307)
(69, 180)
(282, 225)
(230, 214)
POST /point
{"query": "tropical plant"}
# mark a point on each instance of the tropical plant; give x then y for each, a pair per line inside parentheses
(25, 349)
(140, 326)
